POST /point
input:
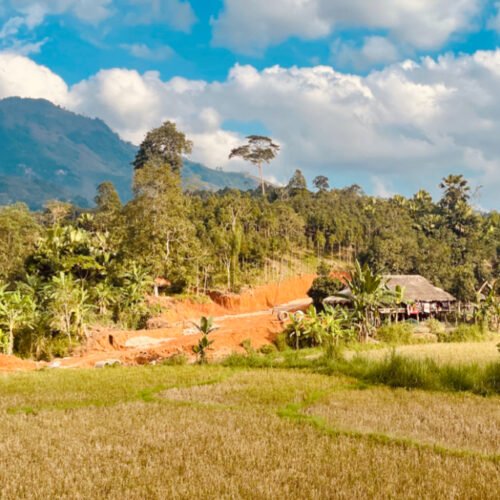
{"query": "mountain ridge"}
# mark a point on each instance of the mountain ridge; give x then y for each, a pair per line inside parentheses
(48, 152)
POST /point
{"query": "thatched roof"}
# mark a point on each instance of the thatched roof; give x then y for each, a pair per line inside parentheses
(416, 289)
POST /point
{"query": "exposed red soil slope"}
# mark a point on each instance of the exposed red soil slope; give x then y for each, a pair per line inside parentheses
(238, 317)
(11, 363)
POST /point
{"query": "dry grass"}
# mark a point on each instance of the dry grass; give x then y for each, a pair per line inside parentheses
(460, 421)
(213, 432)
(463, 352)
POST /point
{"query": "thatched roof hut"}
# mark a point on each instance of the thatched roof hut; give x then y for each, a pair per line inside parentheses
(416, 289)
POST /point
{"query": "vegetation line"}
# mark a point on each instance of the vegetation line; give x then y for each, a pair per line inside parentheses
(147, 395)
(295, 412)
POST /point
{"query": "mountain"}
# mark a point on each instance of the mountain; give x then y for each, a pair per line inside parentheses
(50, 153)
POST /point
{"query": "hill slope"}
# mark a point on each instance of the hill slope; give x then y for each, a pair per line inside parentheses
(48, 152)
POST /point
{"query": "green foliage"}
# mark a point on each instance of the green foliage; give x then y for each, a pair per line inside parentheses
(330, 328)
(17, 312)
(163, 146)
(463, 333)
(258, 150)
(206, 327)
(399, 371)
(436, 327)
(226, 240)
(19, 232)
(323, 287)
(368, 291)
(395, 333)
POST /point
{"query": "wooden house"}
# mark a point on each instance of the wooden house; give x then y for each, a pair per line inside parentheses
(420, 298)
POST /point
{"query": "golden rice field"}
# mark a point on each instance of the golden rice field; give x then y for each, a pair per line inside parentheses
(221, 432)
(463, 352)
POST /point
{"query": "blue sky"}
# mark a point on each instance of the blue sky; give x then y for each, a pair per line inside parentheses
(391, 94)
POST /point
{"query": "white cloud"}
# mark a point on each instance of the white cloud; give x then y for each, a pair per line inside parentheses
(375, 50)
(250, 27)
(406, 125)
(92, 11)
(143, 51)
(175, 13)
(20, 76)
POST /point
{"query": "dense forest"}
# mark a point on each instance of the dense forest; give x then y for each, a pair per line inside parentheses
(63, 265)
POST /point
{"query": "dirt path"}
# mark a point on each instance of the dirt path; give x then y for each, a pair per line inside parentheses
(250, 316)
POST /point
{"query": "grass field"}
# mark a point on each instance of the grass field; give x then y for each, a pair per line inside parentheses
(230, 432)
(463, 352)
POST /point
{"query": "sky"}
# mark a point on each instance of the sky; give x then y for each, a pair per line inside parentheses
(389, 94)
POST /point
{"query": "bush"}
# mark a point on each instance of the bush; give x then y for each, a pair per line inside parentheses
(399, 371)
(330, 328)
(281, 341)
(323, 287)
(435, 327)
(268, 349)
(179, 359)
(396, 333)
(463, 333)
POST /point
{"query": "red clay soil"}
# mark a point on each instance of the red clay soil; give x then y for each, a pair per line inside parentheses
(248, 315)
(221, 304)
(11, 363)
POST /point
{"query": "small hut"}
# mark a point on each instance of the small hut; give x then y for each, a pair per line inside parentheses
(421, 299)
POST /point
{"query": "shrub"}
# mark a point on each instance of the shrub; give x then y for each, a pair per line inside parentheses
(179, 359)
(323, 287)
(463, 333)
(247, 345)
(281, 341)
(396, 333)
(268, 349)
(330, 328)
(435, 327)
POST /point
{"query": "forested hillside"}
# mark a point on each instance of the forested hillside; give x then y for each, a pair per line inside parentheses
(64, 265)
(51, 153)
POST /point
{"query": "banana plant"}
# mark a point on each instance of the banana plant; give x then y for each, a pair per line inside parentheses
(206, 327)
(16, 312)
(368, 292)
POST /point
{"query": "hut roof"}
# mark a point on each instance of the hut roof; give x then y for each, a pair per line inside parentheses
(416, 289)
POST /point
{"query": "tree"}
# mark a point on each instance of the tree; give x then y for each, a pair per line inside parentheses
(164, 145)
(107, 198)
(455, 203)
(323, 287)
(259, 150)
(297, 182)
(321, 183)
(57, 211)
(19, 232)
(160, 235)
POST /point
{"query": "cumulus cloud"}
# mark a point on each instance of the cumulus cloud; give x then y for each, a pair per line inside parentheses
(406, 125)
(250, 27)
(20, 76)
